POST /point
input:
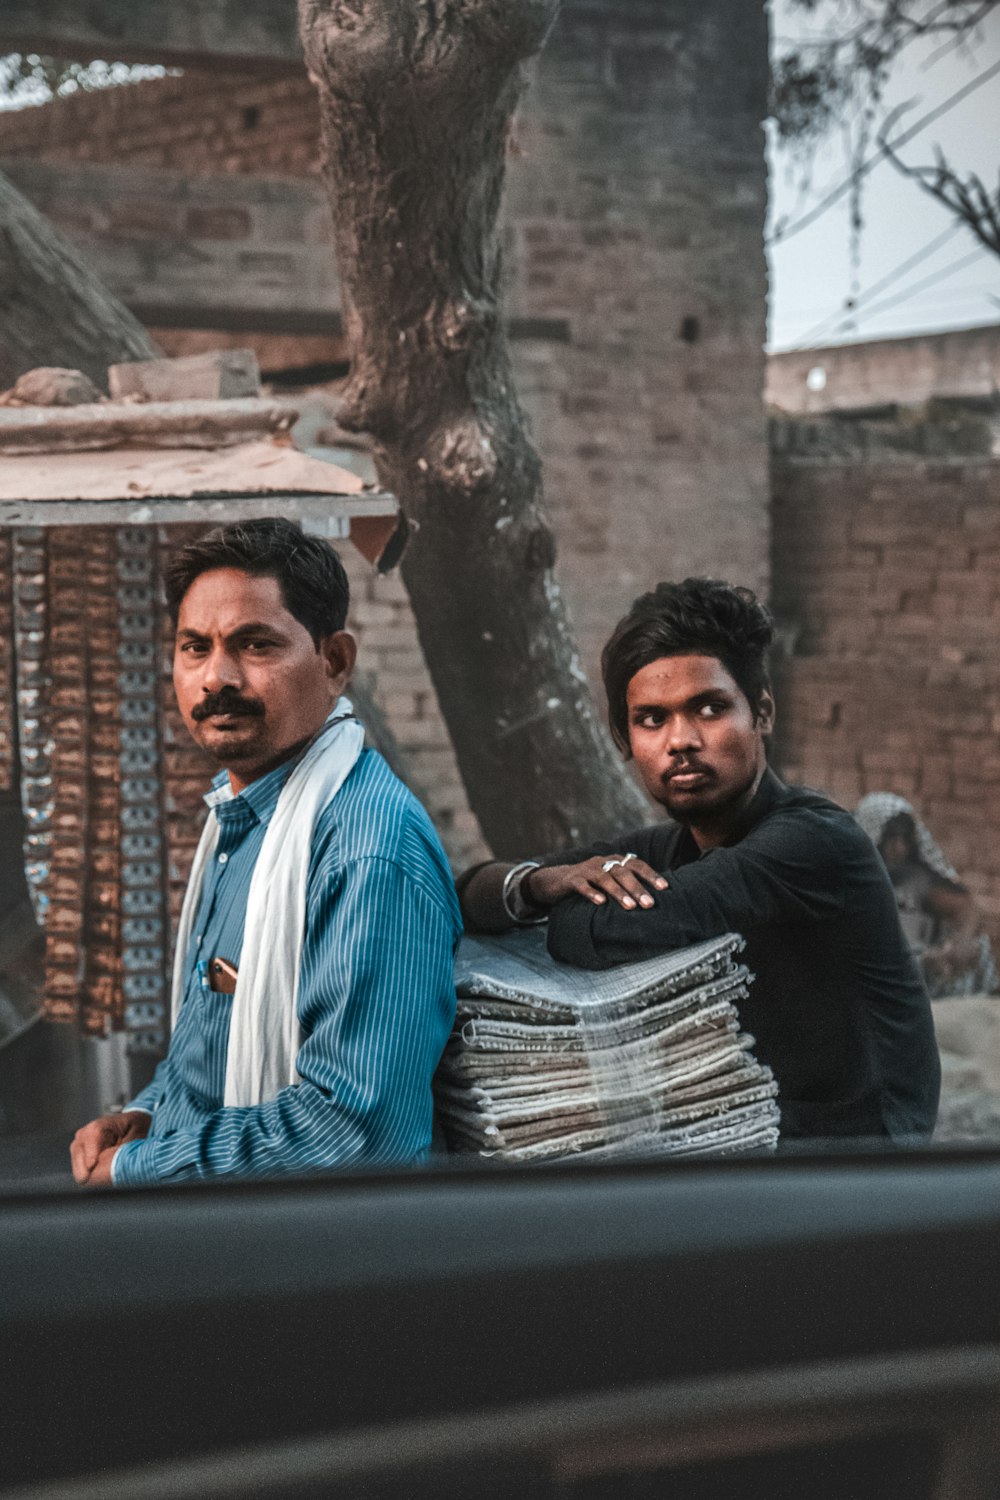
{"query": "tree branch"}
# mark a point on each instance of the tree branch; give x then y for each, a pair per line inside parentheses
(53, 309)
(968, 198)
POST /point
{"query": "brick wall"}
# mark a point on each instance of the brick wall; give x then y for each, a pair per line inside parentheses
(962, 362)
(214, 251)
(635, 210)
(249, 121)
(886, 582)
(406, 722)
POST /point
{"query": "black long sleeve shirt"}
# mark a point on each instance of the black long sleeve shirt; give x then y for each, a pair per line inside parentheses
(838, 1007)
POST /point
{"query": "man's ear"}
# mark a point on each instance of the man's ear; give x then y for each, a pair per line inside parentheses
(765, 712)
(339, 650)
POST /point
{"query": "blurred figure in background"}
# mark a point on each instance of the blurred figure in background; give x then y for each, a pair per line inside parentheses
(937, 912)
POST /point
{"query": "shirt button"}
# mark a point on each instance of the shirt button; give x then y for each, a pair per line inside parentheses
(223, 859)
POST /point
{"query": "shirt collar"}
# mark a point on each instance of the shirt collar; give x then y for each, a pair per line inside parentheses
(763, 799)
(260, 797)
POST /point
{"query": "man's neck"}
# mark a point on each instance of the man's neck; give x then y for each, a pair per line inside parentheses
(725, 826)
(240, 778)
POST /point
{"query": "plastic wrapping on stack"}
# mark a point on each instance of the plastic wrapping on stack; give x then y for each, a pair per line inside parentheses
(645, 1059)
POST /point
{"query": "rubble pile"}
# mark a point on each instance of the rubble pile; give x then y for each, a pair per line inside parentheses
(968, 1033)
(646, 1059)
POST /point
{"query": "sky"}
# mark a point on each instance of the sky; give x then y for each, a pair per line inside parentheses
(952, 281)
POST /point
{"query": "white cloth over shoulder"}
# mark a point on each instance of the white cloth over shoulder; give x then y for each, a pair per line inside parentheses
(264, 1033)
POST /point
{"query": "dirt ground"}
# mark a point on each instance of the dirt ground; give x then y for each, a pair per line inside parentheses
(968, 1032)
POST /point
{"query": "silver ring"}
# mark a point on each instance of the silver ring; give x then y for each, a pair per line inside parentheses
(609, 864)
(628, 857)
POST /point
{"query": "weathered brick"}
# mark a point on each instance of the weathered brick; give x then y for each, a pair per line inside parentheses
(217, 223)
(981, 518)
(913, 667)
(934, 784)
(365, 614)
(413, 734)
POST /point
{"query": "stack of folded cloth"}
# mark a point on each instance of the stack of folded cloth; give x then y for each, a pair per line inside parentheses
(644, 1059)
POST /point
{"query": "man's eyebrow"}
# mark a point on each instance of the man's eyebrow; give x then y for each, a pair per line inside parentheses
(249, 627)
(710, 695)
(258, 627)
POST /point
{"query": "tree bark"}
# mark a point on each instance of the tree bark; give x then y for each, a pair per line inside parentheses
(53, 309)
(417, 100)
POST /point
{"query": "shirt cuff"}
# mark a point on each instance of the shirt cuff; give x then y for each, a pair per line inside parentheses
(127, 1165)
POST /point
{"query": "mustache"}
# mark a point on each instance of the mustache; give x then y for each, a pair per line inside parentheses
(227, 701)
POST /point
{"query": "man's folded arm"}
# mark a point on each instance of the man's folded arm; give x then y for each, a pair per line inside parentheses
(480, 888)
(783, 871)
(376, 1003)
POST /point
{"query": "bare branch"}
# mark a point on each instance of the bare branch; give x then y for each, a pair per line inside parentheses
(817, 80)
(968, 198)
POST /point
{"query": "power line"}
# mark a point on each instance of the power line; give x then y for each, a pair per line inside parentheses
(918, 286)
(932, 280)
(916, 259)
(835, 195)
(957, 306)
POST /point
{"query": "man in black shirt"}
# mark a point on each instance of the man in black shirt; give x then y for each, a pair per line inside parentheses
(838, 1007)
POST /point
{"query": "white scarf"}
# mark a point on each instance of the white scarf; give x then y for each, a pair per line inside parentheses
(874, 812)
(264, 1034)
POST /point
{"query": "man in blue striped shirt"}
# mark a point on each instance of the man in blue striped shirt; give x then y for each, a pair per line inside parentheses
(340, 952)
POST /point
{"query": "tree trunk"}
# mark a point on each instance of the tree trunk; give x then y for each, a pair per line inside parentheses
(53, 309)
(417, 100)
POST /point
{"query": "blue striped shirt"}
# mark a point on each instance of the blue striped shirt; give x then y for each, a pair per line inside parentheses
(376, 994)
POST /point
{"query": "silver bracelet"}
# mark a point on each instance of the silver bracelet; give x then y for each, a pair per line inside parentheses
(516, 905)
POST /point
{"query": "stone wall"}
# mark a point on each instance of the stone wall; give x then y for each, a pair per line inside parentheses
(886, 583)
(634, 218)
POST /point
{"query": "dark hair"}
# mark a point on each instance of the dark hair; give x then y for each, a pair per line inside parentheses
(314, 586)
(701, 617)
(902, 826)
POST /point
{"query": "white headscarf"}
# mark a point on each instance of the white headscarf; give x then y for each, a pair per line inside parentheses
(872, 814)
(878, 808)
